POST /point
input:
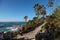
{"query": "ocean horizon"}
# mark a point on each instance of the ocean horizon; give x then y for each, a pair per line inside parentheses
(5, 26)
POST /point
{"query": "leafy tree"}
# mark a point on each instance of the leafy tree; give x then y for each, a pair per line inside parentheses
(47, 19)
(35, 20)
(56, 14)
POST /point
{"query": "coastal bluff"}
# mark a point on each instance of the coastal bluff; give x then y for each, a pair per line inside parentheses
(31, 35)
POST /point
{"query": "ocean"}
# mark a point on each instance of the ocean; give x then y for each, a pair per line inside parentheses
(4, 26)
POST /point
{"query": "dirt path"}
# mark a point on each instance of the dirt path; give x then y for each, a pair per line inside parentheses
(32, 33)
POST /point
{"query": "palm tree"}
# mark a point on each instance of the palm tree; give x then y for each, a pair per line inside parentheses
(25, 17)
(37, 8)
(50, 3)
(43, 12)
(37, 14)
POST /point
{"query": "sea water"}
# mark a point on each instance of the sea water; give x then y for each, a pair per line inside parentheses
(5, 26)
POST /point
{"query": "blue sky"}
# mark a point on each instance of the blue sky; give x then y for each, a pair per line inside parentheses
(15, 10)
